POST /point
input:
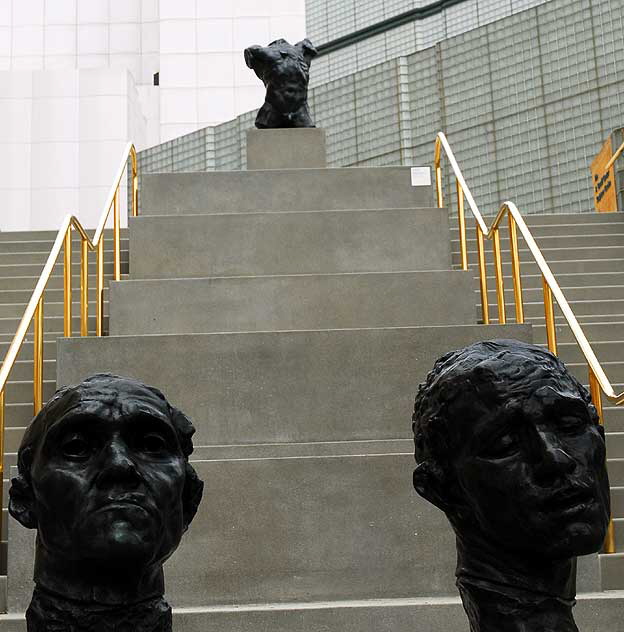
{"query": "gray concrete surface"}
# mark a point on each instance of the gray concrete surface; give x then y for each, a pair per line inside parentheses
(286, 190)
(317, 527)
(282, 386)
(593, 613)
(301, 148)
(289, 243)
(265, 303)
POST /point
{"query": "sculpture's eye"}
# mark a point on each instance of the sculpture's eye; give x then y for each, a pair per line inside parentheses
(572, 423)
(500, 447)
(152, 443)
(76, 447)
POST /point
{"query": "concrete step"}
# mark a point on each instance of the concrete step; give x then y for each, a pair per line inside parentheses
(291, 302)
(595, 331)
(51, 323)
(28, 282)
(23, 370)
(40, 257)
(561, 219)
(615, 446)
(289, 243)
(277, 387)
(16, 310)
(50, 235)
(616, 472)
(584, 240)
(612, 571)
(45, 246)
(594, 612)
(21, 391)
(561, 254)
(617, 503)
(558, 267)
(581, 308)
(18, 415)
(26, 352)
(55, 295)
(35, 269)
(577, 279)
(606, 351)
(286, 190)
(380, 539)
(548, 230)
(534, 294)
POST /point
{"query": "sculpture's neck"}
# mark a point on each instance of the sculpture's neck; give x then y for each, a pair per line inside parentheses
(89, 583)
(51, 612)
(506, 593)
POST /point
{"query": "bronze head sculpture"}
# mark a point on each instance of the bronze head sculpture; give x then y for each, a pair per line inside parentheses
(285, 71)
(104, 477)
(508, 445)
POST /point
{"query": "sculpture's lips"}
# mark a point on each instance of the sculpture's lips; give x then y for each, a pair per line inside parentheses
(569, 499)
(124, 500)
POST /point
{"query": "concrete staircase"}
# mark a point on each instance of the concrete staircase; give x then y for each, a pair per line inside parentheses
(292, 314)
(586, 254)
(22, 257)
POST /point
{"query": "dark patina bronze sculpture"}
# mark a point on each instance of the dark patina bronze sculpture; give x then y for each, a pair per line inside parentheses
(285, 71)
(508, 445)
(104, 477)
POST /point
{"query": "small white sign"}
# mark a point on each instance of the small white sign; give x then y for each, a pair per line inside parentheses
(421, 176)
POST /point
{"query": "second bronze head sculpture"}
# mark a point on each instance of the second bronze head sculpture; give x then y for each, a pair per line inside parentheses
(104, 477)
(508, 445)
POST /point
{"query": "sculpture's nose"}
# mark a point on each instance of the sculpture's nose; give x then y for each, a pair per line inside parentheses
(117, 466)
(552, 461)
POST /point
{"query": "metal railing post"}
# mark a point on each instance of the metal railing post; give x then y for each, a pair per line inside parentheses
(485, 308)
(596, 395)
(67, 285)
(500, 286)
(99, 304)
(116, 237)
(38, 359)
(549, 313)
(462, 226)
(515, 267)
(84, 288)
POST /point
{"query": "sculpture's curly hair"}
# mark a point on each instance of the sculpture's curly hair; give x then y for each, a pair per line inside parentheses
(96, 387)
(485, 376)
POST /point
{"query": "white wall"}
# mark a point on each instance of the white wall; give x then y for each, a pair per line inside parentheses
(203, 77)
(61, 139)
(76, 83)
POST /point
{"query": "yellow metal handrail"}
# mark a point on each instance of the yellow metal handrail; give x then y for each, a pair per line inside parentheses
(34, 309)
(598, 381)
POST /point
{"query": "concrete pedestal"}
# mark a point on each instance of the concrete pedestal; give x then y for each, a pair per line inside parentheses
(296, 148)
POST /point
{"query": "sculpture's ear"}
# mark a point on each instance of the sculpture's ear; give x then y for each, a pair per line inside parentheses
(429, 483)
(307, 49)
(191, 495)
(22, 502)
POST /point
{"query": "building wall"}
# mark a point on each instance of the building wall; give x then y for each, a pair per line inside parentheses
(61, 139)
(203, 77)
(330, 19)
(526, 103)
(60, 145)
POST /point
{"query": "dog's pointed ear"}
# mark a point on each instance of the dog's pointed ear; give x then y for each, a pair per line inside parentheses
(430, 484)
(22, 502)
(307, 49)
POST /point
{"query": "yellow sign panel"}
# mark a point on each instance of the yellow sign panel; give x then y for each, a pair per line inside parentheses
(605, 194)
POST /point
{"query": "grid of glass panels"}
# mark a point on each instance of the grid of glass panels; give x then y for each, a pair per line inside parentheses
(525, 101)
